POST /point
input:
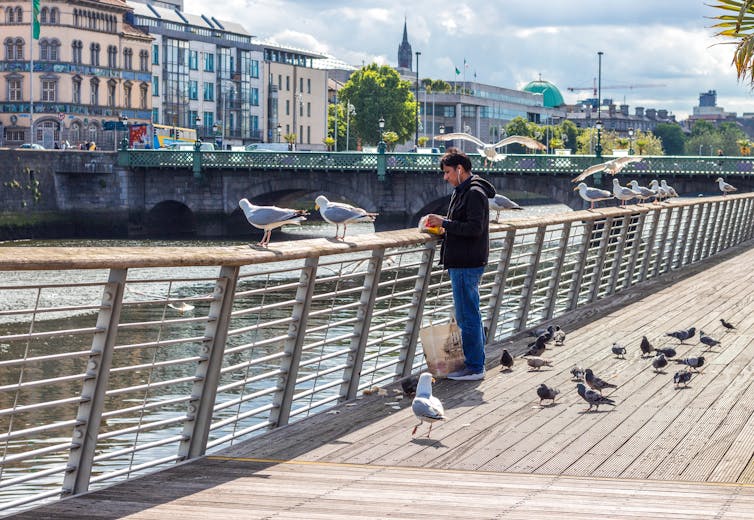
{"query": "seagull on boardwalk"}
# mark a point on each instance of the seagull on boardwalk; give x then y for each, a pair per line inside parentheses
(339, 213)
(644, 193)
(500, 203)
(707, 340)
(646, 347)
(724, 186)
(270, 217)
(728, 326)
(489, 151)
(682, 335)
(622, 193)
(544, 393)
(612, 167)
(593, 398)
(682, 377)
(506, 360)
(671, 191)
(595, 383)
(426, 407)
(592, 195)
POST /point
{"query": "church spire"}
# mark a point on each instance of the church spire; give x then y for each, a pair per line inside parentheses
(404, 50)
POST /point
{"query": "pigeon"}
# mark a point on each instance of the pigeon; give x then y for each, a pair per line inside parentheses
(707, 340)
(642, 192)
(619, 350)
(559, 337)
(693, 362)
(339, 213)
(622, 193)
(724, 186)
(681, 377)
(595, 383)
(489, 151)
(592, 195)
(500, 203)
(537, 362)
(659, 362)
(543, 332)
(545, 392)
(408, 384)
(646, 347)
(577, 374)
(537, 347)
(426, 407)
(668, 352)
(728, 326)
(270, 217)
(506, 361)
(612, 167)
(682, 335)
(592, 397)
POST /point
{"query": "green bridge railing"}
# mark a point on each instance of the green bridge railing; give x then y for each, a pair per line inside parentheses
(421, 163)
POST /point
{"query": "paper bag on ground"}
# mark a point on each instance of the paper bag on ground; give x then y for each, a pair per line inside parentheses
(443, 349)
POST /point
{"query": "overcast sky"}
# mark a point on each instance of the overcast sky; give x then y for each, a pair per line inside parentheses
(509, 43)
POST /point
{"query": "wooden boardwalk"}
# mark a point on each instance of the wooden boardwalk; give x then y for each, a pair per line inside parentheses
(661, 452)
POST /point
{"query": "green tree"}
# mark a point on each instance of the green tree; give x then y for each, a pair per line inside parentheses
(737, 24)
(520, 126)
(377, 91)
(390, 139)
(672, 137)
(569, 134)
(339, 111)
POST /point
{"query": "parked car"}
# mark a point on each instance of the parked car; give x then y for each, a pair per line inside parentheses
(32, 146)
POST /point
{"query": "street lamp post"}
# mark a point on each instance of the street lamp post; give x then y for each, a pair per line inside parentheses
(349, 110)
(416, 137)
(598, 148)
(442, 143)
(381, 147)
(123, 120)
(630, 141)
(198, 142)
(280, 131)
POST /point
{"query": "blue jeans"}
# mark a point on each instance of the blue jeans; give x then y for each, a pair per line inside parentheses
(465, 284)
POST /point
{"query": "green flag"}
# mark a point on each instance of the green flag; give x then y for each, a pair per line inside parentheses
(458, 72)
(35, 19)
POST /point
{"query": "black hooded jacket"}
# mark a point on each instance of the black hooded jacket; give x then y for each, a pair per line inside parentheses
(467, 226)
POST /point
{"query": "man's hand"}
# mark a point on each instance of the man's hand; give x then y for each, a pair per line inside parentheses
(434, 220)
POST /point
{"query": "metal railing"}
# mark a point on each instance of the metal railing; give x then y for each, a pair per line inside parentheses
(120, 361)
(539, 164)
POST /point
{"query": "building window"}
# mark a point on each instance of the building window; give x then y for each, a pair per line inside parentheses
(76, 97)
(76, 47)
(144, 61)
(111, 93)
(287, 83)
(209, 62)
(254, 123)
(287, 107)
(308, 109)
(94, 54)
(48, 50)
(54, 16)
(254, 97)
(208, 121)
(14, 15)
(155, 86)
(155, 54)
(156, 115)
(280, 82)
(209, 91)
(300, 84)
(300, 109)
(74, 134)
(15, 89)
(309, 134)
(143, 89)
(194, 60)
(43, 15)
(112, 56)
(193, 88)
(308, 85)
(127, 95)
(49, 90)
(254, 68)
(14, 49)
(94, 92)
(128, 59)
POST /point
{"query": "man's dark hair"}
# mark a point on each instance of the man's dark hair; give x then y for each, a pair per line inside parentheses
(454, 157)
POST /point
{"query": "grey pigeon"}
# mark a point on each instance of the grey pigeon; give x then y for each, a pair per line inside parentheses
(668, 352)
(710, 342)
(559, 337)
(537, 348)
(595, 383)
(425, 406)
(682, 335)
(646, 347)
(537, 362)
(577, 373)
(592, 397)
(408, 384)
(539, 332)
(619, 350)
(506, 360)
(693, 362)
(682, 377)
(545, 392)
(659, 362)
(728, 326)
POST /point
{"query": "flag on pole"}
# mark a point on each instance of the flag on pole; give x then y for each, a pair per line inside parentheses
(35, 19)
(458, 72)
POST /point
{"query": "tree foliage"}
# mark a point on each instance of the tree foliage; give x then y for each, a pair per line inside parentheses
(737, 24)
(377, 91)
(672, 137)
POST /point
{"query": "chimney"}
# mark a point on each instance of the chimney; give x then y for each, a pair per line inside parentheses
(662, 114)
(624, 110)
(651, 113)
(639, 111)
(611, 109)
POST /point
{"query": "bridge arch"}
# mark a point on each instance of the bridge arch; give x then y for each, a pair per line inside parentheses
(170, 218)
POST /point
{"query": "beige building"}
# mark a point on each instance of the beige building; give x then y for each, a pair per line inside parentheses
(90, 67)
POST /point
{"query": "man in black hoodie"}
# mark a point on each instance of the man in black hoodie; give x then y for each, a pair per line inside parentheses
(464, 253)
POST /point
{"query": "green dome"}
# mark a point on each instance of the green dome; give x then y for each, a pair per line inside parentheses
(550, 93)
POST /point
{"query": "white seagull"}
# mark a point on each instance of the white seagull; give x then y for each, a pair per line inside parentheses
(592, 194)
(643, 192)
(671, 191)
(502, 203)
(489, 151)
(661, 193)
(612, 167)
(724, 186)
(426, 407)
(339, 213)
(270, 217)
(622, 193)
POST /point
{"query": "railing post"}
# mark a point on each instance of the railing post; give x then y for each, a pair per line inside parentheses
(618, 256)
(498, 286)
(738, 224)
(675, 239)
(707, 229)
(662, 242)
(635, 247)
(578, 267)
(283, 398)
(594, 289)
(689, 212)
(207, 375)
(352, 372)
(552, 288)
(408, 350)
(730, 229)
(696, 236)
(649, 246)
(748, 219)
(529, 280)
(89, 415)
(723, 214)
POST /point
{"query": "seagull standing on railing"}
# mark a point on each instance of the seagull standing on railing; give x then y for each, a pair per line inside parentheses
(612, 167)
(339, 213)
(270, 217)
(643, 192)
(724, 186)
(661, 193)
(489, 151)
(502, 203)
(592, 195)
(671, 191)
(622, 193)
